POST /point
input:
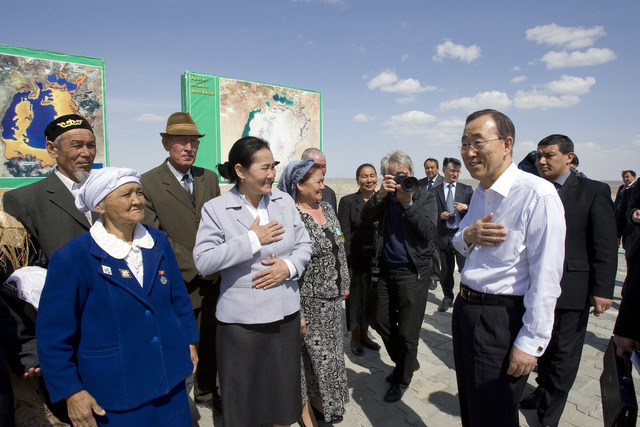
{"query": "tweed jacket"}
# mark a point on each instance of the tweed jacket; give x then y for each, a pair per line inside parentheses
(169, 209)
(100, 331)
(223, 244)
(48, 212)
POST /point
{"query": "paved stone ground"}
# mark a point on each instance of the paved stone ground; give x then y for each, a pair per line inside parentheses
(432, 397)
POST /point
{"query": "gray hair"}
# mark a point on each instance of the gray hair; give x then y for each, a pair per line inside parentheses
(56, 141)
(312, 152)
(395, 158)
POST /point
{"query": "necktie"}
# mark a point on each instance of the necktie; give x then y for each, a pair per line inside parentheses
(558, 185)
(185, 185)
(430, 185)
(450, 208)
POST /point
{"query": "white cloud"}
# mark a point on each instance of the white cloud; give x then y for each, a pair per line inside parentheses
(448, 49)
(362, 118)
(151, 118)
(570, 85)
(515, 68)
(534, 99)
(404, 57)
(491, 99)
(567, 37)
(418, 124)
(592, 56)
(388, 81)
(519, 79)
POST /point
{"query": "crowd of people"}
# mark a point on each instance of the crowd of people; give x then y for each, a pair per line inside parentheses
(156, 277)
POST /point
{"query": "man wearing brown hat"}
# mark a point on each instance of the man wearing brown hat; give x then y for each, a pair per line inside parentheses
(175, 192)
(47, 208)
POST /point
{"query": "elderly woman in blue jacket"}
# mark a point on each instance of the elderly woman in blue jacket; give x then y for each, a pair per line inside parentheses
(256, 239)
(115, 327)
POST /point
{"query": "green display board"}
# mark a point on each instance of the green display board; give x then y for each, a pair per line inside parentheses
(228, 109)
(36, 87)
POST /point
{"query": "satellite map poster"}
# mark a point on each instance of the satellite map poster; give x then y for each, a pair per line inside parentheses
(36, 87)
(226, 110)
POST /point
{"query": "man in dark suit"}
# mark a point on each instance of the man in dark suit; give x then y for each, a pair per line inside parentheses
(588, 278)
(432, 180)
(328, 195)
(47, 208)
(175, 192)
(626, 331)
(453, 202)
(628, 178)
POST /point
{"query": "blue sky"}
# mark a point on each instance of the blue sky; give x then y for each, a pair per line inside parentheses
(393, 74)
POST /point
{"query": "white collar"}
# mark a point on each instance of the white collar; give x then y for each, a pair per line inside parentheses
(68, 182)
(117, 248)
(179, 175)
(504, 182)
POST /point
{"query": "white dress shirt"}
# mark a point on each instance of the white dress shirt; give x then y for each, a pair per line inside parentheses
(180, 176)
(530, 261)
(119, 249)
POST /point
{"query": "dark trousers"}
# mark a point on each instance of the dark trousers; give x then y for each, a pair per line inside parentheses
(435, 266)
(448, 258)
(204, 381)
(482, 339)
(402, 299)
(558, 366)
(6, 393)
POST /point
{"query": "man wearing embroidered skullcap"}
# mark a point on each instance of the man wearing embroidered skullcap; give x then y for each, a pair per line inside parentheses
(46, 208)
(175, 192)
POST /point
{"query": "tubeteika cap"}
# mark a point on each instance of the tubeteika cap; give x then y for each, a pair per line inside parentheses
(181, 124)
(65, 123)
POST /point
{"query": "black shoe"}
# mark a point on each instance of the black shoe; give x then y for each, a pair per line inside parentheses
(336, 419)
(530, 402)
(212, 404)
(445, 305)
(357, 351)
(395, 392)
(372, 345)
(433, 285)
(390, 378)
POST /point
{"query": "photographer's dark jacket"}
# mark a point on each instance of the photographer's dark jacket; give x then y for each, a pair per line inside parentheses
(418, 225)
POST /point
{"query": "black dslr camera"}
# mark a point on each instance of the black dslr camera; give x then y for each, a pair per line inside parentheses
(409, 184)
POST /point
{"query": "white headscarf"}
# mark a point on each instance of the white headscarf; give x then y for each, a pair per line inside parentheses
(101, 183)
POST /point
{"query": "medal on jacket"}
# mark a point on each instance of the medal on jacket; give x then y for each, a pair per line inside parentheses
(126, 274)
(339, 234)
(163, 279)
(106, 270)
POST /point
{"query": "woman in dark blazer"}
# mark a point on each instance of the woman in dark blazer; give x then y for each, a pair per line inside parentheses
(115, 328)
(359, 247)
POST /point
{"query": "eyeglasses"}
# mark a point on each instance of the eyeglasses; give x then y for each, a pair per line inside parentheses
(476, 145)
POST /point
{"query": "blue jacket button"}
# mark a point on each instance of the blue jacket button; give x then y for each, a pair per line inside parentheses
(155, 339)
(147, 313)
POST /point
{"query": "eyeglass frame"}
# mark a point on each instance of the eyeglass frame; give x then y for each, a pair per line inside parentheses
(475, 145)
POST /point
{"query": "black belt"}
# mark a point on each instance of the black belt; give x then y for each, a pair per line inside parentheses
(452, 230)
(491, 299)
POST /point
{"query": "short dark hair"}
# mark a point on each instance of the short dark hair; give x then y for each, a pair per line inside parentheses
(365, 165)
(633, 174)
(564, 143)
(241, 153)
(504, 124)
(431, 160)
(575, 162)
(455, 162)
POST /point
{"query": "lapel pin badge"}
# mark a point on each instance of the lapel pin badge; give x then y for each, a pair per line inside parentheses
(126, 274)
(163, 278)
(106, 270)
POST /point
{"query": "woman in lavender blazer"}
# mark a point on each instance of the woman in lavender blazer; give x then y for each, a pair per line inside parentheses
(254, 236)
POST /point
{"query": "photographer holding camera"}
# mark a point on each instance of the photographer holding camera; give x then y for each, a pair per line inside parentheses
(406, 239)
